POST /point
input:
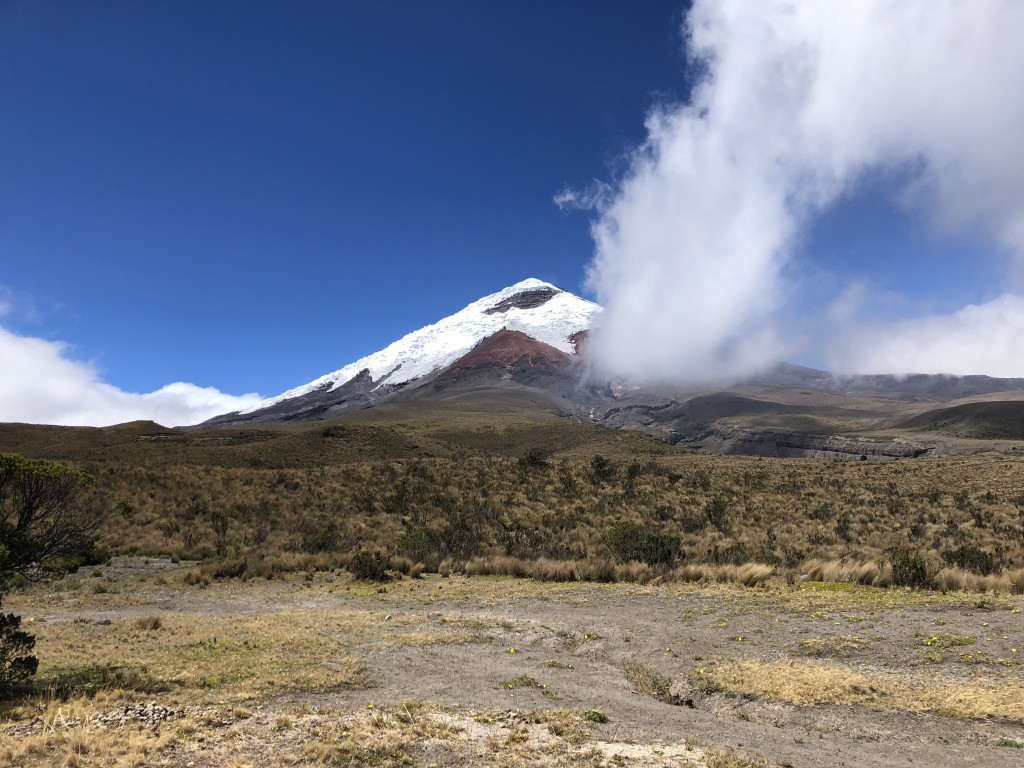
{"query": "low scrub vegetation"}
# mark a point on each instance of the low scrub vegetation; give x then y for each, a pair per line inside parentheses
(950, 524)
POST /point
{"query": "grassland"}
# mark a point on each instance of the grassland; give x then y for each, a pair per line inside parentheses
(527, 493)
(557, 594)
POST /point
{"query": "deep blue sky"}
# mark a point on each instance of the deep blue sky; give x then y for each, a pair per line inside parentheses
(249, 194)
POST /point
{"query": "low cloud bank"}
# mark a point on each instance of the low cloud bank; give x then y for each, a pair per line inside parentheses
(40, 384)
(798, 104)
(981, 338)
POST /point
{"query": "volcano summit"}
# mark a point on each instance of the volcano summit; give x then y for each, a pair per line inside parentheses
(519, 332)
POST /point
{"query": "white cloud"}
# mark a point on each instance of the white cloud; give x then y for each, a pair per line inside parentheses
(801, 101)
(978, 339)
(40, 384)
(594, 195)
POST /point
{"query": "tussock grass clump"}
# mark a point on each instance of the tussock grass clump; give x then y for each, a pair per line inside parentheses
(851, 571)
(747, 574)
(256, 566)
(149, 623)
(946, 579)
(646, 680)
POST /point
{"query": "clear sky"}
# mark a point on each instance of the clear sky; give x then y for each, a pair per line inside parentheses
(246, 195)
(250, 194)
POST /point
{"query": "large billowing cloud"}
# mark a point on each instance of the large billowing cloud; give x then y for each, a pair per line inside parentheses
(798, 103)
(40, 384)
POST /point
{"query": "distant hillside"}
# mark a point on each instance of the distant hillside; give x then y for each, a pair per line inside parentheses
(480, 424)
(1000, 420)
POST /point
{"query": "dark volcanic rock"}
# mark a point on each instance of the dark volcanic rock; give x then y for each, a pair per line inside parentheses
(525, 300)
(695, 424)
(797, 445)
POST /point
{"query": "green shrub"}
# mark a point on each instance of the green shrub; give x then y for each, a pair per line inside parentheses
(908, 568)
(602, 469)
(533, 459)
(369, 566)
(16, 661)
(717, 512)
(318, 535)
(629, 541)
(972, 559)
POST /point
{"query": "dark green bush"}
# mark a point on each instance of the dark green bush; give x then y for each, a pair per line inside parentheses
(369, 566)
(908, 568)
(823, 511)
(319, 535)
(629, 541)
(533, 459)
(972, 559)
(602, 469)
(421, 545)
(717, 512)
(16, 661)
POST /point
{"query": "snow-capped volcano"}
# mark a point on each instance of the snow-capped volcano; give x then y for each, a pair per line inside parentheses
(537, 309)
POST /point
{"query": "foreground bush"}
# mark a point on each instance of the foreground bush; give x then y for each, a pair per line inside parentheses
(16, 660)
(46, 530)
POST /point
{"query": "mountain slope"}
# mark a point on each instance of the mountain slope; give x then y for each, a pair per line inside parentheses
(531, 318)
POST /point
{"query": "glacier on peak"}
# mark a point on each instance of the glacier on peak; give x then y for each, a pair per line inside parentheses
(551, 318)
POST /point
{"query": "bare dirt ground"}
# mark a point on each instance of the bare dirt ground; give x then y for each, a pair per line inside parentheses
(321, 669)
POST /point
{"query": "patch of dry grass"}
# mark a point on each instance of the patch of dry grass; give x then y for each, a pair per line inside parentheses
(70, 736)
(646, 680)
(235, 655)
(727, 758)
(834, 647)
(811, 683)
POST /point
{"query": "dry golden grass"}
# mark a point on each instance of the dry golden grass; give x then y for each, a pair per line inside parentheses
(811, 683)
(83, 747)
(834, 647)
(646, 680)
(748, 574)
(852, 571)
(211, 657)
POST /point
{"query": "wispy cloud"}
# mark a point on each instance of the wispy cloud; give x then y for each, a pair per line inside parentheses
(41, 384)
(17, 306)
(800, 102)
